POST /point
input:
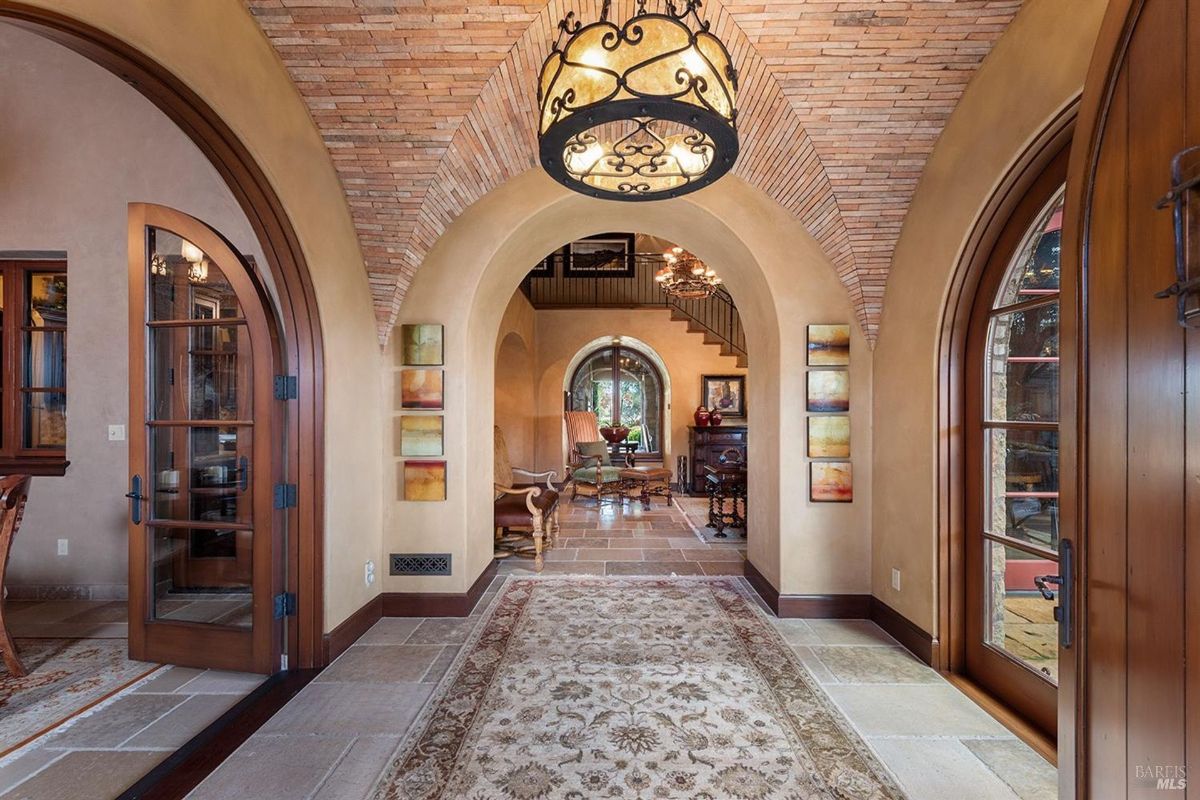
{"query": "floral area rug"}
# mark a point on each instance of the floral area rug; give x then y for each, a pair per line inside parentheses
(630, 688)
(66, 677)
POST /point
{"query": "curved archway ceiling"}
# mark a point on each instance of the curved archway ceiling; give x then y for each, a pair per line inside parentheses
(426, 105)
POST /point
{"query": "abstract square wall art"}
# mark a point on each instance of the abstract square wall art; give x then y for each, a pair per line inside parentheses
(421, 388)
(828, 390)
(829, 437)
(421, 345)
(828, 345)
(424, 481)
(830, 482)
(725, 393)
(420, 436)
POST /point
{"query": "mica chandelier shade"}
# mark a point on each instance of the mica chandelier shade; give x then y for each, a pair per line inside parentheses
(641, 111)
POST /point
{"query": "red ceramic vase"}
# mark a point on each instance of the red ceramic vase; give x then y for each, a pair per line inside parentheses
(714, 418)
(701, 417)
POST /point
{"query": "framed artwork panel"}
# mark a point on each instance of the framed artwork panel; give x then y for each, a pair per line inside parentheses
(421, 435)
(828, 390)
(421, 389)
(425, 481)
(830, 482)
(726, 393)
(422, 345)
(829, 437)
(828, 345)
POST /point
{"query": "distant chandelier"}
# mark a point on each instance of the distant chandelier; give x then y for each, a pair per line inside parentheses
(643, 111)
(685, 276)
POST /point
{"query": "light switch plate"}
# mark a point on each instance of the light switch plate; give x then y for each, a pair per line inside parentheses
(116, 433)
(895, 579)
(64, 547)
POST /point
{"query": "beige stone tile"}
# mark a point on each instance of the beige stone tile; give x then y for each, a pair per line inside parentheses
(663, 556)
(561, 568)
(875, 665)
(381, 663)
(813, 664)
(351, 709)
(939, 769)
(591, 542)
(444, 630)
(561, 554)
(795, 631)
(687, 543)
(390, 630)
(1029, 775)
(611, 554)
(850, 631)
(359, 769)
(112, 724)
(441, 664)
(650, 568)
(179, 725)
(274, 768)
(722, 567)
(713, 554)
(23, 766)
(87, 775)
(935, 710)
(216, 681)
(169, 680)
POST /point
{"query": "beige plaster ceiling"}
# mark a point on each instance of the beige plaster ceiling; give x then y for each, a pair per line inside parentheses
(426, 105)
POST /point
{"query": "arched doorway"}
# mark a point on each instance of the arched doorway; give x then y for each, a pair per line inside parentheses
(624, 389)
(301, 348)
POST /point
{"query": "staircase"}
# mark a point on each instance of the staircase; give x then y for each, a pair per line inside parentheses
(631, 285)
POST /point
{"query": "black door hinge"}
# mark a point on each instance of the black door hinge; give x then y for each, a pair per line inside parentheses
(285, 605)
(286, 387)
(285, 495)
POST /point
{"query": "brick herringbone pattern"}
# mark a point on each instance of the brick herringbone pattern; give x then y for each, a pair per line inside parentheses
(426, 105)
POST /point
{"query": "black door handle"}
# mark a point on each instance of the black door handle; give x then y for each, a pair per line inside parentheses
(1041, 581)
(135, 499)
(1064, 583)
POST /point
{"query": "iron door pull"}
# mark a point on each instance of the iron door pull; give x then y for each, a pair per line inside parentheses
(135, 499)
(1064, 583)
(243, 474)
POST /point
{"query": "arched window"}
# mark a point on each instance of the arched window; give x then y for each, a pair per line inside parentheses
(623, 388)
(1012, 443)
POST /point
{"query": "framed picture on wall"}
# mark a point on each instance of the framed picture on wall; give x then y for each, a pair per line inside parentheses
(828, 390)
(725, 393)
(828, 345)
(608, 255)
(830, 482)
(421, 435)
(425, 481)
(829, 437)
(421, 345)
(421, 389)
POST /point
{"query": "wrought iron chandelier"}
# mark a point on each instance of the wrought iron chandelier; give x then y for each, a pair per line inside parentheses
(640, 111)
(685, 276)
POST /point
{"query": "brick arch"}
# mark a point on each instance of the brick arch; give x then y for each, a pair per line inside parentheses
(425, 107)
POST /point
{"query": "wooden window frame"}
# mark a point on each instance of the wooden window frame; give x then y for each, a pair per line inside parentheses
(615, 350)
(14, 456)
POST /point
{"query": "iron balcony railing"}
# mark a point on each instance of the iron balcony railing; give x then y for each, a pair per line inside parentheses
(608, 281)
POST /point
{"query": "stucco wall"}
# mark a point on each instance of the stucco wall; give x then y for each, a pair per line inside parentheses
(217, 50)
(516, 380)
(76, 146)
(1034, 71)
(781, 282)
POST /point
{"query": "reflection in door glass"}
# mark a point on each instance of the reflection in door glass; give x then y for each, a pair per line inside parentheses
(1021, 621)
(202, 575)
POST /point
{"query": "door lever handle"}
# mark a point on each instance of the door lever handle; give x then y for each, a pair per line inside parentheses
(135, 499)
(1041, 581)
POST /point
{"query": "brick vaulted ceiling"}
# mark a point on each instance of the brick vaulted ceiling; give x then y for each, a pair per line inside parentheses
(427, 105)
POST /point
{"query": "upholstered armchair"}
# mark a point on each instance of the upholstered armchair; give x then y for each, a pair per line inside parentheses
(589, 462)
(527, 508)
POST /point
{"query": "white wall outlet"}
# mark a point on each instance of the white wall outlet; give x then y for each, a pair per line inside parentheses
(895, 579)
(116, 433)
(369, 573)
(63, 547)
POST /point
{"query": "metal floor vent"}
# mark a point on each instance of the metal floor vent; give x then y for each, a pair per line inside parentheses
(419, 564)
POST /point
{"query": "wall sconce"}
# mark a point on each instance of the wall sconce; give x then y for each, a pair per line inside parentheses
(1184, 201)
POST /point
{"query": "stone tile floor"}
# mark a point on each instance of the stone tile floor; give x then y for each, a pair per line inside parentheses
(100, 753)
(625, 538)
(334, 739)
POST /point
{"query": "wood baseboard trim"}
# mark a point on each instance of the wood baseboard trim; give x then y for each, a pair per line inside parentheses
(807, 606)
(182, 771)
(338, 640)
(438, 604)
(908, 633)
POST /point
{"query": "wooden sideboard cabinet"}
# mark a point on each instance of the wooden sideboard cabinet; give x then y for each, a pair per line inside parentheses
(705, 446)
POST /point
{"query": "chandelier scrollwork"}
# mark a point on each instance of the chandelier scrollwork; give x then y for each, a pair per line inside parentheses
(685, 276)
(639, 111)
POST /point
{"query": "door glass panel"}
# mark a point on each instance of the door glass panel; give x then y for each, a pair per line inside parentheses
(1022, 376)
(593, 386)
(1035, 269)
(641, 396)
(201, 473)
(1020, 622)
(185, 283)
(199, 372)
(45, 359)
(1023, 485)
(202, 575)
(44, 419)
(47, 293)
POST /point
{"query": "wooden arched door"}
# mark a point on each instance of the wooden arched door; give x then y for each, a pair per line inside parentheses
(205, 527)
(1135, 402)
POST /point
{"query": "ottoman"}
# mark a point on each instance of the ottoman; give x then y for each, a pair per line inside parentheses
(647, 481)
